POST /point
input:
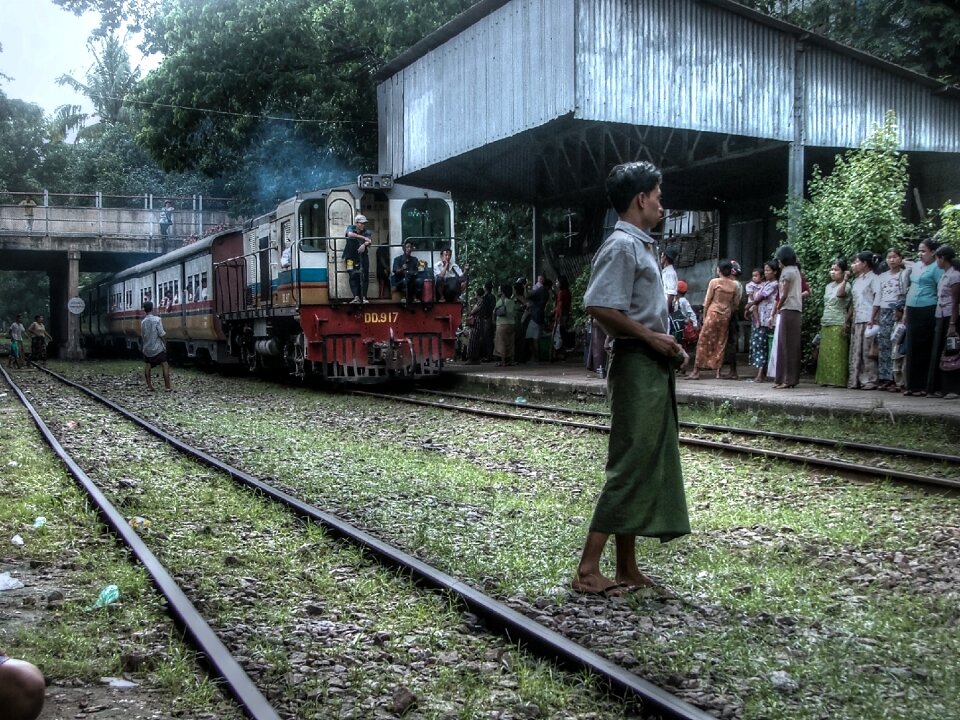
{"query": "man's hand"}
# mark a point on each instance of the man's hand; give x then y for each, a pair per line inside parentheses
(664, 344)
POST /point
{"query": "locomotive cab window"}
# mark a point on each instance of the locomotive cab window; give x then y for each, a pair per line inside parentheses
(427, 220)
(313, 226)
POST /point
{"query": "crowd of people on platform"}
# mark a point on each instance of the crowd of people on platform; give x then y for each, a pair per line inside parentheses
(519, 322)
(887, 324)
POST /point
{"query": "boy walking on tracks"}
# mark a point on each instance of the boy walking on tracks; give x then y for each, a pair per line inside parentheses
(16, 343)
(643, 494)
(153, 347)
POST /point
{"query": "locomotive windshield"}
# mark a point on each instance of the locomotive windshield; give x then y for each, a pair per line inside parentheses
(427, 219)
(313, 226)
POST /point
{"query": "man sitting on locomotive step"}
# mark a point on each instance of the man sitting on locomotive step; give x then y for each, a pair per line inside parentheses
(450, 279)
(406, 274)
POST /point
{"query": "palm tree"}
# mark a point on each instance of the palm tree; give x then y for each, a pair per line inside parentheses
(108, 83)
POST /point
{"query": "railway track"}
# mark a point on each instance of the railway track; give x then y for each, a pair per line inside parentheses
(517, 627)
(948, 466)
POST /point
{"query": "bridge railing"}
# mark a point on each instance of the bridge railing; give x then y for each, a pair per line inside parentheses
(86, 215)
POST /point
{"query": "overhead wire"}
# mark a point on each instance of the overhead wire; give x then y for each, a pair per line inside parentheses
(242, 115)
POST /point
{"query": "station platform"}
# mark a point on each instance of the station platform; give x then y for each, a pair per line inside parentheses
(555, 379)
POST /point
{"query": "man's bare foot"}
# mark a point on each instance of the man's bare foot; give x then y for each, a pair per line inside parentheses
(596, 584)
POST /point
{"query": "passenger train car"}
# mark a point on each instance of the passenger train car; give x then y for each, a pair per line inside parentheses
(227, 298)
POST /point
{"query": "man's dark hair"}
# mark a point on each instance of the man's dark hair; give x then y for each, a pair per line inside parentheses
(786, 255)
(147, 306)
(507, 290)
(628, 180)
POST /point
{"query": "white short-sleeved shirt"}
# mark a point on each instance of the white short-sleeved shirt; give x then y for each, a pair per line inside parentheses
(866, 287)
(151, 330)
(669, 277)
(945, 293)
(626, 277)
(893, 289)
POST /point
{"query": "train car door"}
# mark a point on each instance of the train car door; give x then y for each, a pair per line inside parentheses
(340, 212)
(263, 259)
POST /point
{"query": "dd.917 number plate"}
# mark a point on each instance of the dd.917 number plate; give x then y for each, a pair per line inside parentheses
(380, 317)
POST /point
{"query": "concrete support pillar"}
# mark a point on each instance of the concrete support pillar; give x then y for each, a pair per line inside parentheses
(71, 349)
(57, 324)
(537, 241)
(795, 167)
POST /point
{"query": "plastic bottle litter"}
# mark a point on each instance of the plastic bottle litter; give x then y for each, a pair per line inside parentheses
(110, 594)
(520, 400)
(39, 522)
(16, 540)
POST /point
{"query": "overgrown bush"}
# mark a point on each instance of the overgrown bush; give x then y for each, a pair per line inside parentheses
(859, 206)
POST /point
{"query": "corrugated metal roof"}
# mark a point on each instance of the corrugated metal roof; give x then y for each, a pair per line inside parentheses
(530, 96)
(510, 72)
(683, 65)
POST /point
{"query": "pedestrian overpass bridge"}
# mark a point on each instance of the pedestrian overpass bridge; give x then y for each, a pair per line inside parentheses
(66, 235)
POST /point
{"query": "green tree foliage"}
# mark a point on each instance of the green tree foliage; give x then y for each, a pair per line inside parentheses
(242, 79)
(26, 293)
(949, 232)
(922, 36)
(21, 144)
(857, 207)
(495, 240)
(113, 13)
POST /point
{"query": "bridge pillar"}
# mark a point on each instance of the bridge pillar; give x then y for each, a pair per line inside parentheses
(67, 324)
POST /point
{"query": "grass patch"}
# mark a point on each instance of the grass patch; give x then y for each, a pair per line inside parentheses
(788, 571)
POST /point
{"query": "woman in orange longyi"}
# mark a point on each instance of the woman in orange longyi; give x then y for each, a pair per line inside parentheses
(723, 297)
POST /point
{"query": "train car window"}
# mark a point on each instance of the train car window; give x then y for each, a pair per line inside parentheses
(203, 285)
(426, 218)
(313, 226)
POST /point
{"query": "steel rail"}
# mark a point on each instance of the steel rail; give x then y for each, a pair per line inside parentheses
(516, 626)
(809, 439)
(698, 442)
(239, 684)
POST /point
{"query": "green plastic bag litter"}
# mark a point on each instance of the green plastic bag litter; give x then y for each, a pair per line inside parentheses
(110, 594)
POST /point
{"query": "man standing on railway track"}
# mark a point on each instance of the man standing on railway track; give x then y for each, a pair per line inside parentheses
(16, 342)
(643, 494)
(153, 347)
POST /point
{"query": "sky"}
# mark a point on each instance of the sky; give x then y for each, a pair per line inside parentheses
(40, 43)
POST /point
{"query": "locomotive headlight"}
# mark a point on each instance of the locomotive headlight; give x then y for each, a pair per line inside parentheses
(375, 182)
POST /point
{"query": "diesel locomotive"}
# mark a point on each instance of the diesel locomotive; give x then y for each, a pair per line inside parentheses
(276, 293)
